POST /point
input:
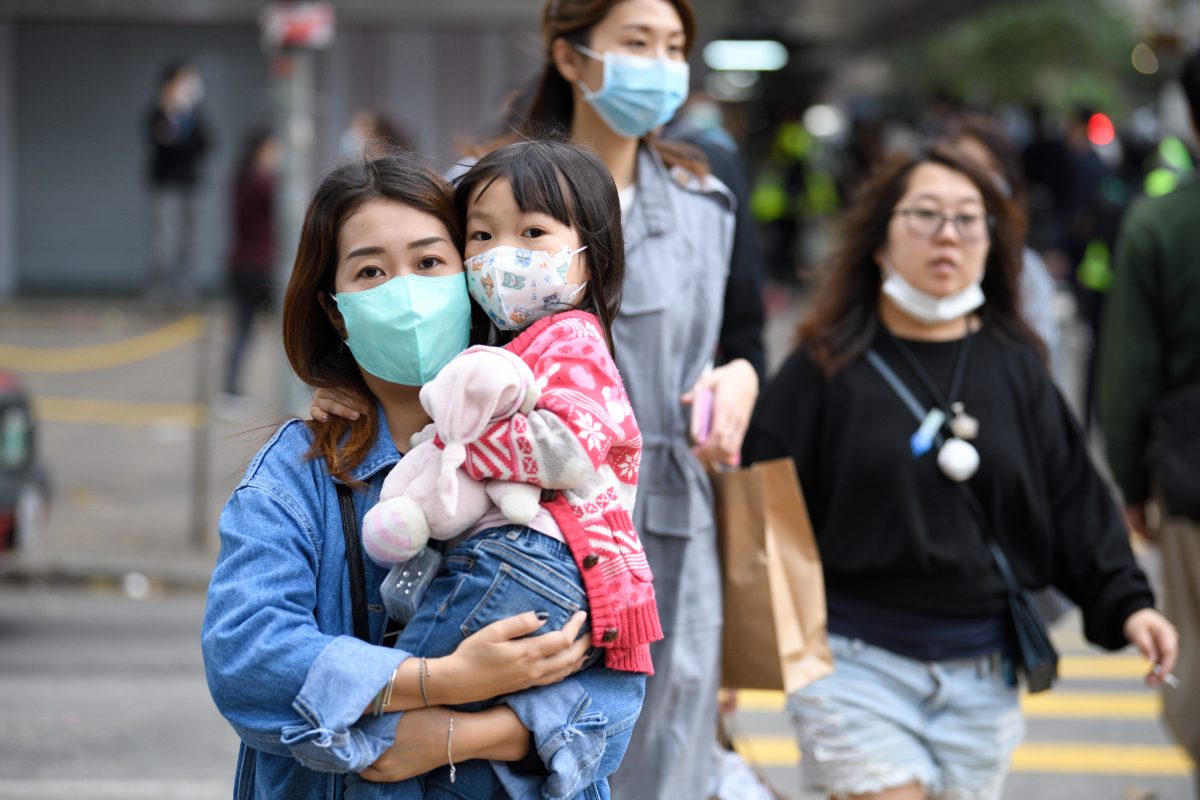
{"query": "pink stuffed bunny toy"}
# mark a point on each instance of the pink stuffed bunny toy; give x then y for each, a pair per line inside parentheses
(429, 493)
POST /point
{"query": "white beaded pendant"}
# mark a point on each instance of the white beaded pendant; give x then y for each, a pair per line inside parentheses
(957, 459)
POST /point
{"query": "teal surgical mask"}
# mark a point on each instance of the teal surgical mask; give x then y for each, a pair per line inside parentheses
(407, 329)
(638, 94)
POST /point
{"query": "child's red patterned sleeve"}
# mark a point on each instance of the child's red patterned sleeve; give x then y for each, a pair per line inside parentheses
(582, 415)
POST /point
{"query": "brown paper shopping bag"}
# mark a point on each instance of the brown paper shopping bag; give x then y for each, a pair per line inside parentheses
(774, 592)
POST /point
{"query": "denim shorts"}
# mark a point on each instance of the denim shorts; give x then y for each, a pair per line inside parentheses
(882, 720)
(581, 726)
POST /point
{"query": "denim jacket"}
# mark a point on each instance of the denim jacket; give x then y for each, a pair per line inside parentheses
(284, 667)
(279, 603)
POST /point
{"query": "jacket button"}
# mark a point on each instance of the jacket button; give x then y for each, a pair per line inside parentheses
(549, 494)
(610, 635)
(590, 560)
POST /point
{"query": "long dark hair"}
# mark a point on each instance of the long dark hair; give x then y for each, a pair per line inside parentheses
(574, 187)
(549, 110)
(845, 317)
(314, 347)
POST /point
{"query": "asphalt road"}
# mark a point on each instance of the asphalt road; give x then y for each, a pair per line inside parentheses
(104, 697)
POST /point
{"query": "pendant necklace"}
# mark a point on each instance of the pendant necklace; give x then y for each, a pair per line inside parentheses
(957, 458)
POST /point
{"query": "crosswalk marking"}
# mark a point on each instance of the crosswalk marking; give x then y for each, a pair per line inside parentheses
(1061, 704)
(1081, 701)
(1106, 759)
(1060, 757)
(1092, 705)
(1110, 705)
(1102, 667)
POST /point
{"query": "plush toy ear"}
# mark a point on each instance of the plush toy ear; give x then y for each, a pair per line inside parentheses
(478, 386)
(453, 457)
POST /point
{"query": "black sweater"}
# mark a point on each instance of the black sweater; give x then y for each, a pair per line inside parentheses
(892, 530)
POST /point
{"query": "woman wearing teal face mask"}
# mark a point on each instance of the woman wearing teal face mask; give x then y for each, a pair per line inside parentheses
(376, 304)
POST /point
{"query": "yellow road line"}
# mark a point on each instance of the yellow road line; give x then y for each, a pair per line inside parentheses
(111, 412)
(1065, 704)
(758, 700)
(102, 356)
(1081, 758)
(1102, 667)
(1101, 759)
(1092, 705)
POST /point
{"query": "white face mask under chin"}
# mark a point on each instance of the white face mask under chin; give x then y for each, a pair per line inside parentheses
(928, 308)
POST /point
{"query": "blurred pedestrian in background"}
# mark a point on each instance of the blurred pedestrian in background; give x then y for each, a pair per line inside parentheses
(923, 702)
(613, 72)
(1047, 168)
(1150, 404)
(251, 257)
(178, 140)
(371, 134)
(982, 139)
(1095, 200)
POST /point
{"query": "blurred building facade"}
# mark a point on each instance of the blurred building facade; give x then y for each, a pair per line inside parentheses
(77, 78)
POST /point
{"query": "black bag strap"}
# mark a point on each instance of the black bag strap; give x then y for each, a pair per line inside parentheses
(906, 396)
(354, 562)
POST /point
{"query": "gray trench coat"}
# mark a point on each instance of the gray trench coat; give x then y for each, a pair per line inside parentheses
(678, 238)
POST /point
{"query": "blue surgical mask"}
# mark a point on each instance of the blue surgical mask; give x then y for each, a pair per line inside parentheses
(407, 329)
(638, 94)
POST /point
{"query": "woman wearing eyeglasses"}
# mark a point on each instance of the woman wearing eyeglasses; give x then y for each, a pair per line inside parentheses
(953, 435)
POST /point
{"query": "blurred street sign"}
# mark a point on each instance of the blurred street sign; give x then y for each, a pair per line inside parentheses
(297, 25)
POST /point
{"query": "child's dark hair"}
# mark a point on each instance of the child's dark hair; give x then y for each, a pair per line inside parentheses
(574, 187)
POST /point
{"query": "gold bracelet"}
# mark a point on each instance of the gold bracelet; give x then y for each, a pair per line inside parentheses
(449, 754)
(422, 674)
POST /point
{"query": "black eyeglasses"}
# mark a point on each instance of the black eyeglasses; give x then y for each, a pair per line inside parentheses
(927, 223)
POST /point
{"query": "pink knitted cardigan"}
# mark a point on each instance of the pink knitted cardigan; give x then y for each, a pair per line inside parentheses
(581, 439)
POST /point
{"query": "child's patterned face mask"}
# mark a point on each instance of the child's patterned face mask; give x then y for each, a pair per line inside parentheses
(516, 286)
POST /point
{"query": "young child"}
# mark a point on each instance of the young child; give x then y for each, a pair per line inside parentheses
(545, 261)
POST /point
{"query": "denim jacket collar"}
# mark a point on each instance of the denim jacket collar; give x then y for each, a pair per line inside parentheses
(382, 455)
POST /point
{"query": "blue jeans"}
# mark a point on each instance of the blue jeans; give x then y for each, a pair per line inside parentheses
(580, 726)
(883, 720)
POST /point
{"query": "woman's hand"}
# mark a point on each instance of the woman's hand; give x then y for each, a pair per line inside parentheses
(497, 660)
(338, 402)
(420, 746)
(422, 736)
(1157, 640)
(735, 389)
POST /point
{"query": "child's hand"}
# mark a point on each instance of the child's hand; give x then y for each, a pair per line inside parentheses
(338, 402)
(735, 389)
